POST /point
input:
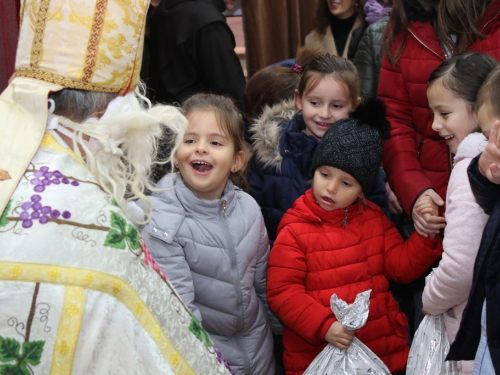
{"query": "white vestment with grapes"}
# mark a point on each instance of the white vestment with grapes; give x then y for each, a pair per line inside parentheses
(79, 292)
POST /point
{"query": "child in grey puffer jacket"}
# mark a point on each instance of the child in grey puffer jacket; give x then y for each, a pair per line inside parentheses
(209, 237)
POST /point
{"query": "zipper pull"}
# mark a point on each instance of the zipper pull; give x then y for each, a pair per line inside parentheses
(344, 222)
(223, 203)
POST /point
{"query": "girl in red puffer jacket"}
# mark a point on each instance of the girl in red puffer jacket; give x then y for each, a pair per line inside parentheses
(333, 241)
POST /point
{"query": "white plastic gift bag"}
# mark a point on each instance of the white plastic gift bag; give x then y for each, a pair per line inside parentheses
(357, 359)
(430, 347)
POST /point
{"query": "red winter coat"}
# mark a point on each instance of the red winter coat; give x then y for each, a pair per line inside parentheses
(314, 256)
(415, 157)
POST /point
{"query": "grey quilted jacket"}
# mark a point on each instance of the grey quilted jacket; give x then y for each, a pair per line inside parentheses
(368, 59)
(215, 254)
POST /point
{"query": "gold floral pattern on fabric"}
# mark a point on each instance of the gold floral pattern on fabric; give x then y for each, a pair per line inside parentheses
(110, 32)
(67, 333)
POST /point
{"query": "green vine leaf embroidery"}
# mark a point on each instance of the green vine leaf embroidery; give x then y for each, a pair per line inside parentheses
(122, 233)
(199, 332)
(10, 351)
(3, 218)
(32, 352)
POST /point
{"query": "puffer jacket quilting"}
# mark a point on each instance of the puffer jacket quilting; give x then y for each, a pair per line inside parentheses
(217, 260)
(315, 256)
(368, 58)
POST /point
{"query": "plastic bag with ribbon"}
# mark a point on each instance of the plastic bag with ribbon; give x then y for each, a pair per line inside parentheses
(357, 359)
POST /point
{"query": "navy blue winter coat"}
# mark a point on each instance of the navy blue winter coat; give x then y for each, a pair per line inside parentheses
(280, 168)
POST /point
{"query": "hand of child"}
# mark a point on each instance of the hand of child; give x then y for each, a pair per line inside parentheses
(489, 162)
(425, 205)
(394, 205)
(427, 224)
(338, 336)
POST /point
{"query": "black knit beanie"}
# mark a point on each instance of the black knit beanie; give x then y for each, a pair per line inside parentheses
(355, 144)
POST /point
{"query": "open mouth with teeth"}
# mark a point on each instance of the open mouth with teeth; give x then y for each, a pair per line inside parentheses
(201, 166)
(448, 138)
(323, 124)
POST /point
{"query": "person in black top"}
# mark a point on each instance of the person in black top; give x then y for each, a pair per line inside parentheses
(339, 27)
(192, 51)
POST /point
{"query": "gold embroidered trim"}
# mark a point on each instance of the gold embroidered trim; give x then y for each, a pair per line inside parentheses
(63, 81)
(95, 36)
(37, 46)
(68, 331)
(106, 283)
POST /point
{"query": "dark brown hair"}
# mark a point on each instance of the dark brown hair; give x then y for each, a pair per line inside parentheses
(490, 92)
(273, 84)
(447, 17)
(336, 67)
(324, 16)
(230, 122)
(464, 74)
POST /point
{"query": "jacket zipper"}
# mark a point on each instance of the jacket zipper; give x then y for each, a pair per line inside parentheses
(344, 222)
(237, 285)
(422, 43)
(420, 145)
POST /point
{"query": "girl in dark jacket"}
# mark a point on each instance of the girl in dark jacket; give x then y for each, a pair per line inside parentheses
(332, 241)
(284, 140)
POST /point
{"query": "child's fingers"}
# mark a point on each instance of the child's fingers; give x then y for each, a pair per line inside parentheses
(494, 172)
(427, 210)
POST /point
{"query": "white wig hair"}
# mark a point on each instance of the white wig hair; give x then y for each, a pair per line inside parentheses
(124, 144)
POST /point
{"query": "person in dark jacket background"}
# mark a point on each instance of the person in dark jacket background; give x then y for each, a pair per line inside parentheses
(368, 58)
(192, 51)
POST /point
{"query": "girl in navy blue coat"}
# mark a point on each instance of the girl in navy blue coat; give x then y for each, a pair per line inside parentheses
(286, 135)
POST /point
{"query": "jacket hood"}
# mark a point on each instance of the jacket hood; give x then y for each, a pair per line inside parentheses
(470, 147)
(265, 132)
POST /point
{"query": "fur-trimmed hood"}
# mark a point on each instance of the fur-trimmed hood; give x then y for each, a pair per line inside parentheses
(265, 132)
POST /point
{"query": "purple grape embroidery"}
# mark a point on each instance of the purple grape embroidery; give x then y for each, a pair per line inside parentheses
(43, 178)
(33, 210)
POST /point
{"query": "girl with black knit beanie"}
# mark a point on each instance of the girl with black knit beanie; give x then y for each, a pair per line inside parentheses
(334, 241)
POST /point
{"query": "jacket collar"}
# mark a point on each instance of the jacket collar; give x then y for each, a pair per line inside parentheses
(298, 145)
(202, 208)
(306, 209)
(336, 217)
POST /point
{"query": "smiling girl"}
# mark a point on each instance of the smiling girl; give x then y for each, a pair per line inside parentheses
(209, 238)
(451, 93)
